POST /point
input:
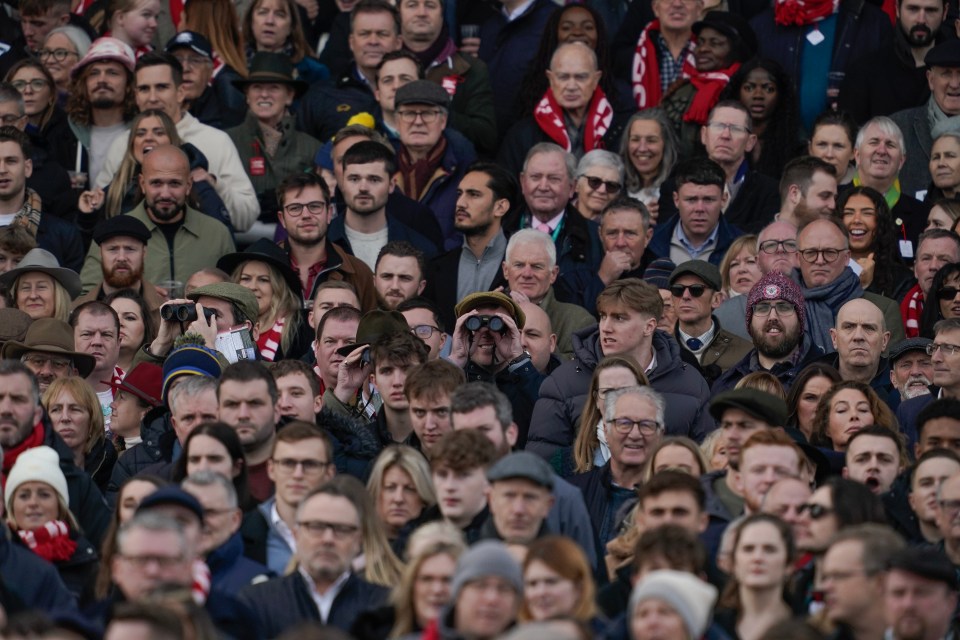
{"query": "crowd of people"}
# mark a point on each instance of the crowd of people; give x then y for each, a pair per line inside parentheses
(480, 319)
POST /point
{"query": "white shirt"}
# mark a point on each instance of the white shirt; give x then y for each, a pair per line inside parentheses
(516, 13)
(282, 529)
(324, 601)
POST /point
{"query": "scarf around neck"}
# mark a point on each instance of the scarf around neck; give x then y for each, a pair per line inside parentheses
(824, 301)
(51, 542)
(417, 175)
(596, 122)
(803, 12)
(646, 68)
(33, 439)
(269, 341)
(709, 85)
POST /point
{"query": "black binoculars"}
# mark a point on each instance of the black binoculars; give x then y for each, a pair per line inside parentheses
(494, 323)
(186, 312)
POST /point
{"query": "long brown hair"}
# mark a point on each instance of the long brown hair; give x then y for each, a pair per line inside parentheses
(296, 39)
(565, 557)
(217, 21)
(79, 108)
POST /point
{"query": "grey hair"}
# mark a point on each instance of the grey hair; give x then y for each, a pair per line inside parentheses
(208, 478)
(887, 126)
(76, 35)
(157, 523)
(550, 147)
(477, 395)
(600, 158)
(532, 236)
(671, 148)
(192, 387)
(610, 402)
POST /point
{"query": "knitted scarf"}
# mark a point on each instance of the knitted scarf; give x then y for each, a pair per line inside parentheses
(709, 86)
(29, 215)
(646, 68)
(823, 303)
(441, 49)
(269, 341)
(803, 12)
(51, 541)
(10, 454)
(416, 175)
(910, 310)
(549, 117)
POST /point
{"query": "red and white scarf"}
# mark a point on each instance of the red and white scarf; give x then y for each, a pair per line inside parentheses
(646, 68)
(51, 541)
(269, 341)
(549, 117)
(709, 86)
(911, 309)
(803, 12)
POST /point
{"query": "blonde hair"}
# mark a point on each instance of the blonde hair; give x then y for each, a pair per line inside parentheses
(129, 167)
(763, 381)
(412, 463)
(63, 510)
(284, 303)
(62, 302)
(86, 398)
(709, 447)
(738, 245)
(676, 441)
(402, 595)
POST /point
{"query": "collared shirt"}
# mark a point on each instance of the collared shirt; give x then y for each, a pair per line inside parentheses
(705, 339)
(324, 601)
(312, 273)
(477, 274)
(652, 365)
(281, 528)
(670, 68)
(519, 11)
(682, 249)
(553, 222)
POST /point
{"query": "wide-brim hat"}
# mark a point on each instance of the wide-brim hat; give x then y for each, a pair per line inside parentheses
(106, 49)
(375, 325)
(145, 381)
(45, 262)
(50, 335)
(264, 250)
(491, 299)
(272, 68)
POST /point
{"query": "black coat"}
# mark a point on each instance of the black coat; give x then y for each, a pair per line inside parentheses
(326, 108)
(63, 240)
(757, 201)
(33, 581)
(156, 446)
(443, 276)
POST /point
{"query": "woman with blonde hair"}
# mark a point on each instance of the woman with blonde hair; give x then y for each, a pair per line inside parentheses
(676, 452)
(612, 373)
(40, 287)
(424, 587)
(739, 269)
(133, 22)
(77, 417)
(762, 381)
(558, 583)
(401, 488)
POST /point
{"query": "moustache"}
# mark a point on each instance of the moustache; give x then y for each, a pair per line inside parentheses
(773, 324)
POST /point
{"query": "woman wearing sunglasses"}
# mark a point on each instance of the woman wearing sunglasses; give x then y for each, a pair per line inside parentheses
(943, 301)
(599, 182)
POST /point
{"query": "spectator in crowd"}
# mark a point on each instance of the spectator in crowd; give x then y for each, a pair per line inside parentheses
(519, 498)
(76, 416)
(428, 389)
(739, 269)
(459, 463)
(539, 339)
(209, 92)
(133, 398)
(400, 488)
(911, 370)
(663, 52)
(946, 382)
(48, 351)
(860, 339)
(215, 446)
(276, 26)
(599, 180)
(398, 273)
(63, 48)
(649, 149)
(875, 456)
(832, 139)
(666, 599)
(935, 248)
(558, 582)
(336, 329)
(933, 468)
(96, 330)
(40, 287)
(808, 190)
(916, 571)
(943, 173)
(298, 390)
(846, 408)
(424, 320)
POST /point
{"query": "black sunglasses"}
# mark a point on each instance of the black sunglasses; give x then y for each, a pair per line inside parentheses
(816, 511)
(947, 293)
(696, 290)
(594, 183)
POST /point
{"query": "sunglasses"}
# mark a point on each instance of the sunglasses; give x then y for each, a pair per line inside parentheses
(594, 183)
(947, 293)
(696, 290)
(816, 511)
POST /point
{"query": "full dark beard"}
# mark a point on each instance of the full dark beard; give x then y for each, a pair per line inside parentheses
(164, 216)
(476, 230)
(920, 36)
(776, 348)
(103, 103)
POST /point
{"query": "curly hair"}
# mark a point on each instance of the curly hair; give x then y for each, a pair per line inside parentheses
(885, 249)
(882, 415)
(80, 110)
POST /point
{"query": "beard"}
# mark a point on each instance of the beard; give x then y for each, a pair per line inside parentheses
(165, 215)
(474, 230)
(911, 391)
(779, 347)
(805, 214)
(125, 280)
(920, 36)
(910, 627)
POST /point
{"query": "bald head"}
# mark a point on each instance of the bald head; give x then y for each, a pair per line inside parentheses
(166, 156)
(537, 337)
(574, 51)
(781, 259)
(860, 336)
(165, 181)
(573, 77)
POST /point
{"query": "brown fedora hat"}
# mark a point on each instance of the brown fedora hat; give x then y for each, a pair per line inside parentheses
(49, 335)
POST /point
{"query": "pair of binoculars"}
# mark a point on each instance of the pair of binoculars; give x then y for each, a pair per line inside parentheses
(183, 312)
(494, 323)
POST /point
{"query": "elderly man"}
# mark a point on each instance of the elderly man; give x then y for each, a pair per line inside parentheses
(935, 248)
(530, 267)
(911, 370)
(827, 282)
(945, 357)
(917, 124)
(776, 322)
(487, 193)
(431, 159)
(209, 94)
(808, 190)
(465, 78)
(48, 351)
(198, 240)
(574, 113)
(519, 498)
(698, 231)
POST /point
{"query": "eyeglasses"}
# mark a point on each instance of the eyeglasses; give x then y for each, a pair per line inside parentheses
(309, 466)
(319, 527)
(428, 117)
(11, 119)
(423, 331)
(947, 348)
(734, 129)
(829, 255)
(37, 84)
(773, 246)
(57, 54)
(696, 290)
(782, 308)
(192, 61)
(595, 183)
(624, 426)
(816, 511)
(316, 207)
(37, 361)
(947, 293)
(142, 562)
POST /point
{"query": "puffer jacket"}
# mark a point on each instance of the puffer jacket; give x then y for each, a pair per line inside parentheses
(157, 446)
(564, 392)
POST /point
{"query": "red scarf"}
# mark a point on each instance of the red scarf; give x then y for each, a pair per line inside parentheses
(646, 68)
(33, 439)
(549, 117)
(803, 12)
(269, 341)
(51, 541)
(911, 309)
(709, 86)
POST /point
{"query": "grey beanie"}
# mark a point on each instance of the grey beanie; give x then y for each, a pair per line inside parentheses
(688, 595)
(484, 559)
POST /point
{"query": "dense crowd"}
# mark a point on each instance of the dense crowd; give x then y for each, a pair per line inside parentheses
(480, 319)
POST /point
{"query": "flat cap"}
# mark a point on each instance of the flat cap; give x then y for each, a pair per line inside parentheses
(240, 296)
(491, 299)
(525, 465)
(707, 272)
(759, 404)
(422, 92)
(910, 344)
(945, 54)
(926, 562)
(117, 226)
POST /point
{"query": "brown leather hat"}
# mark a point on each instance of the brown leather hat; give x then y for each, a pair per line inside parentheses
(49, 335)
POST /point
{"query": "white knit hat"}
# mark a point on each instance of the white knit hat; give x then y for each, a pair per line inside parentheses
(688, 595)
(39, 464)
